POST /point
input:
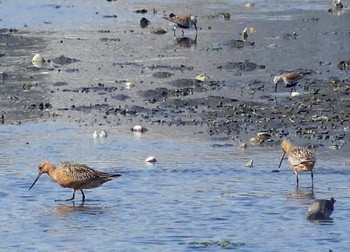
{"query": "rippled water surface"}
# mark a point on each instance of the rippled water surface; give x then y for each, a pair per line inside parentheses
(197, 197)
(194, 198)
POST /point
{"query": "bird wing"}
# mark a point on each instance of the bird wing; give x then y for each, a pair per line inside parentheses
(301, 156)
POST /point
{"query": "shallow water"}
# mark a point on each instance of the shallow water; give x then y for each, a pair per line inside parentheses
(195, 194)
(193, 199)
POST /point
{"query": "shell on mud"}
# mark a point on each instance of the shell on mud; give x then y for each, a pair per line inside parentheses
(129, 85)
(294, 94)
(38, 60)
(202, 77)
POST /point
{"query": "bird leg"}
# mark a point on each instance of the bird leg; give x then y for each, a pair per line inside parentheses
(82, 193)
(312, 179)
(297, 179)
(72, 196)
(183, 33)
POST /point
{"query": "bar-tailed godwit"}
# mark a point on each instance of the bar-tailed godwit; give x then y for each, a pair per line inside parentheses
(184, 22)
(321, 209)
(290, 79)
(299, 158)
(75, 176)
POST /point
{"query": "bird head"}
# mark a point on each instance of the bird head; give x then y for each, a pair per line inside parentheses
(43, 168)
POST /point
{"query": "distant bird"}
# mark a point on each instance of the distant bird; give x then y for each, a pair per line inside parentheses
(290, 79)
(321, 209)
(75, 176)
(300, 159)
(245, 34)
(184, 22)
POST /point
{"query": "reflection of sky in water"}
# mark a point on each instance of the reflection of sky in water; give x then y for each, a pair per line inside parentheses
(194, 193)
(63, 15)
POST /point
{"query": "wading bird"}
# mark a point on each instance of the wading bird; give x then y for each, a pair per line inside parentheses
(300, 159)
(75, 176)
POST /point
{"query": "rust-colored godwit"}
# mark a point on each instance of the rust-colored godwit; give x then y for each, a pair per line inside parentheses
(290, 79)
(299, 158)
(75, 176)
(321, 209)
(184, 22)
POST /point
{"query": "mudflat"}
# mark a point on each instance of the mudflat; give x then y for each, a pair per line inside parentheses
(102, 68)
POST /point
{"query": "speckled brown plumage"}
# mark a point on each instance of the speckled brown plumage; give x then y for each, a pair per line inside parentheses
(300, 159)
(75, 176)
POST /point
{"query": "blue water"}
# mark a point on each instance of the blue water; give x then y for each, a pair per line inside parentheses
(193, 199)
(193, 195)
(84, 14)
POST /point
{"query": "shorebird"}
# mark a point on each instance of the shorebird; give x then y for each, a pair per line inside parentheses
(75, 176)
(184, 22)
(290, 79)
(321, 209)
(300, 159)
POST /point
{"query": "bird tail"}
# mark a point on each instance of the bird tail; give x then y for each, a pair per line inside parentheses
(115, 175)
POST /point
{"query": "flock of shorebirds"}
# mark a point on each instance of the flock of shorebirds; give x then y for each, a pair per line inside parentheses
(80, 176)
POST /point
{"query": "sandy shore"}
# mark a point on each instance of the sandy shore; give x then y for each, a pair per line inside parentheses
(236, 102)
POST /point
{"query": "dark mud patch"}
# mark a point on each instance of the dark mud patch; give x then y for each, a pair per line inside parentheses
(22, 97)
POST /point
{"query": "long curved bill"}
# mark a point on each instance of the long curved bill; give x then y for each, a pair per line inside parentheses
(281, 160)
(35, 181)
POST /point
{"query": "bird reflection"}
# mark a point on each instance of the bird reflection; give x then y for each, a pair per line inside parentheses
(186, 42)
(92, 209)
(302, 193)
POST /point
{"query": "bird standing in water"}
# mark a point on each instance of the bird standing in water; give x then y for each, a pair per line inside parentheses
(184, 22)
(300, 159)
(321, 209)
(75, 176)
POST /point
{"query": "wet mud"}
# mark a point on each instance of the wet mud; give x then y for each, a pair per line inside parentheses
(119, 75)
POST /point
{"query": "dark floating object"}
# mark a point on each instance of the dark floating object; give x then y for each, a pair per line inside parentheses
(321, 209)
(63, 60)
(144, 22)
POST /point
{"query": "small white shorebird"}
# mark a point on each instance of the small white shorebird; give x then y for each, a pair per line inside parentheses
(290, 79)
(184, 22)
(321, 209)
